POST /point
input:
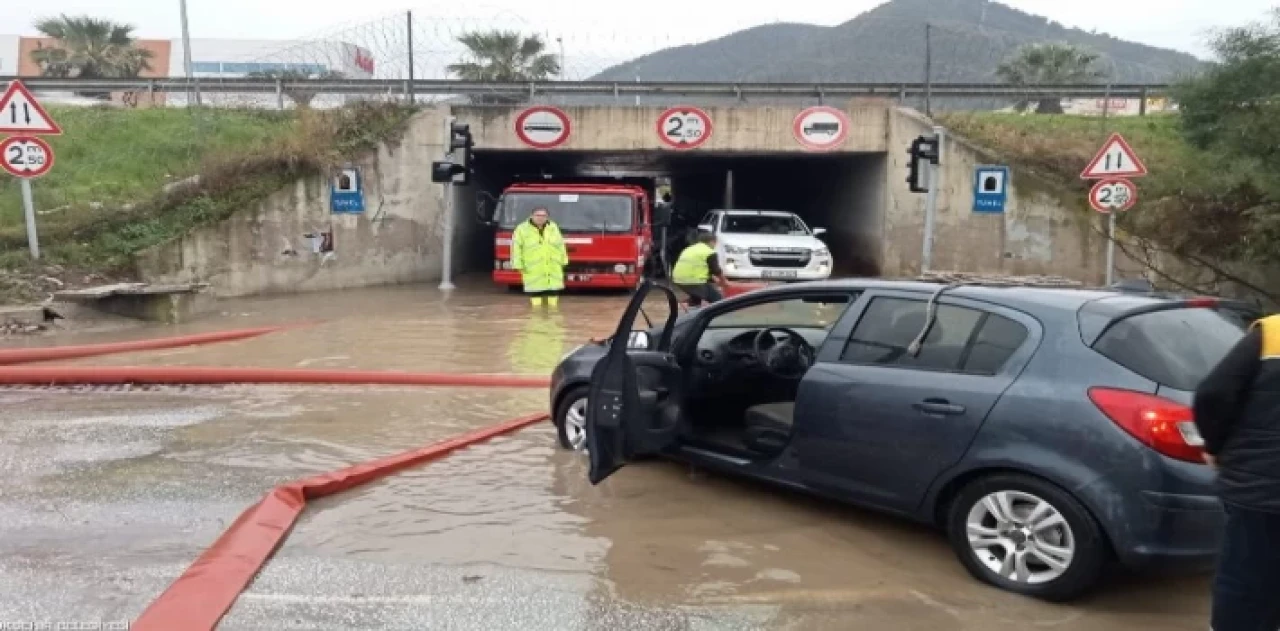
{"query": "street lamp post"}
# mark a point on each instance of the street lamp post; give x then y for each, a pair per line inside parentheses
(186, 53)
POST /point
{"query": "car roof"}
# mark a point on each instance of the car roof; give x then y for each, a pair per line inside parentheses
(1022, 297)
(748, 211)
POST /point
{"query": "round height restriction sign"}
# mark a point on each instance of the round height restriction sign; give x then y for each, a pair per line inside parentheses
(26, 156)
(1113, 195)
(543, 127)
(684, 127)
(821, 128)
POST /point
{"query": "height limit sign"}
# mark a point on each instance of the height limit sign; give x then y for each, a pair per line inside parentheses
(25, 156)
(1112, 166)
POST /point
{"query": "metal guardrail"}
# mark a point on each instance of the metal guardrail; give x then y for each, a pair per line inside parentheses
(601, 88)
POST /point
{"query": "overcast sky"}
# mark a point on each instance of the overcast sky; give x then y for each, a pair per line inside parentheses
(647, 25)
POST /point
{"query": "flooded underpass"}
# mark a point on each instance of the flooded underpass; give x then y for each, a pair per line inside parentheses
(113, 492)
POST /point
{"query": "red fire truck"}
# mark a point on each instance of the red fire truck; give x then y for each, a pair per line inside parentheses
(607, 230)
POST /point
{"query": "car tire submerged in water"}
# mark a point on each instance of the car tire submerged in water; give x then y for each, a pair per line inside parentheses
(571, 419)
(1025, 535)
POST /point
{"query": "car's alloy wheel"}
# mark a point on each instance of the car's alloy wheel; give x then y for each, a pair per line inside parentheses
(1020, 537)
(1028, 536)
(575, 424)
(571, 420)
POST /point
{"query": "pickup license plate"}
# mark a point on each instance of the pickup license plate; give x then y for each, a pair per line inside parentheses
(580, 277)
(779, 273)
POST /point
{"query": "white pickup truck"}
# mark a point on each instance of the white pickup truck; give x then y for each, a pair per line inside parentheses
(767, 245)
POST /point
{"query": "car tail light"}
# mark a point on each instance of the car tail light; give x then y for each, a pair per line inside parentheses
(1203, 302)
(1163, 425)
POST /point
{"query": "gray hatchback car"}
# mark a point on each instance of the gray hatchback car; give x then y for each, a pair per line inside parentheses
(1047, 431)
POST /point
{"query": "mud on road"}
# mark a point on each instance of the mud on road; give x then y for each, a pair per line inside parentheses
(112, 493)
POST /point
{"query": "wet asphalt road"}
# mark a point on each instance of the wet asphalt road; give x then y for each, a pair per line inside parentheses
(112, 493)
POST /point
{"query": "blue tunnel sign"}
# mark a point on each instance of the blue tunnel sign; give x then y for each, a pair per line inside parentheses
(990, 189)
(346, 192)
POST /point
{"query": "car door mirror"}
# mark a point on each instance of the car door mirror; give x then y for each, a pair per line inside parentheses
(706, 227)
(817, 232)
(638, 340)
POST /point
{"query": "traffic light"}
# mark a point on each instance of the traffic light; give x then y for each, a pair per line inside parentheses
(922, 148)
(444, 171)
(459, 138)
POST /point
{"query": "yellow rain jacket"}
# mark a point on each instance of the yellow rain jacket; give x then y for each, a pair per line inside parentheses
(539, 256)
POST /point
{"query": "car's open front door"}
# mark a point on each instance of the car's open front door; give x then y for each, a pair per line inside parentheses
(634, 405)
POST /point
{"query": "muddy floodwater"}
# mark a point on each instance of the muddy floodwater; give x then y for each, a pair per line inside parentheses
(111, 492)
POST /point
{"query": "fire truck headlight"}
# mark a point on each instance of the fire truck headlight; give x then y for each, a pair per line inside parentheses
(621, 269)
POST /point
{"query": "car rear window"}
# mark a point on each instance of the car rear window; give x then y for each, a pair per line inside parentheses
(1175, 348)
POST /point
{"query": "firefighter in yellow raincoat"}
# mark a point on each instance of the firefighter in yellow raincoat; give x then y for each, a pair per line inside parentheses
(539, 254)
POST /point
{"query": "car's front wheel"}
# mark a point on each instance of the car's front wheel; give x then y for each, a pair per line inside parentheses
(571, 419)
(1027, 536)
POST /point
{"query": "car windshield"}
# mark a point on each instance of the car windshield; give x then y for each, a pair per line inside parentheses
(573, 212)
(1175, 348)
(798, 313)
(763, 224)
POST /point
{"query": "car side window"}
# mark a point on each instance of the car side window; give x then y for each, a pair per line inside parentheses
(960, 340)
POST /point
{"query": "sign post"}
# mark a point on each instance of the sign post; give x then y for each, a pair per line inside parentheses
(931, 200)
(1113, 165)
(25, 156)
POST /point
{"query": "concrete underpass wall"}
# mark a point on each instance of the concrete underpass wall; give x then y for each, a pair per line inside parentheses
(1037, 234)
(262, 249)
(743, 128)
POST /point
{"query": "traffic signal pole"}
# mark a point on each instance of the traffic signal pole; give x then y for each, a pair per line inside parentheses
(931, 201)
(446, 264)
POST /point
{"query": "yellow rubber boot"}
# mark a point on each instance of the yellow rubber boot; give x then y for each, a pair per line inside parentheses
(536, 301)
(553, 302)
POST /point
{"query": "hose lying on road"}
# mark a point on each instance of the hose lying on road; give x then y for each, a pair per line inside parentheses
(206, 591)
(205, 375)
(9, 356)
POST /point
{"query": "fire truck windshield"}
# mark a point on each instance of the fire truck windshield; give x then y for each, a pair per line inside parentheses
(573, 212)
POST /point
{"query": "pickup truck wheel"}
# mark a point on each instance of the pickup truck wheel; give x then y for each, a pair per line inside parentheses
(1025, 535)
(571, 420)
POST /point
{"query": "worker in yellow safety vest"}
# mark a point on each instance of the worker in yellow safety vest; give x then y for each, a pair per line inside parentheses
(539, 254)
(696, 268)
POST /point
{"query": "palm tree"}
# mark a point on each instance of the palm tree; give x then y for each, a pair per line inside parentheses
(1049, 64)
(302, 97)
(504, 56)
(89, 48)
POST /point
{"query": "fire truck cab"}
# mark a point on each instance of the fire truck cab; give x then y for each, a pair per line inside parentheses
(607, 228)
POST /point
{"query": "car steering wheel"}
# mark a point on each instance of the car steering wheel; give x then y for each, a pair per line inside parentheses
(789, 357)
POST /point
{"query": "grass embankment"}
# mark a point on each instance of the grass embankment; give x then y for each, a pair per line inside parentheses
(1193, 203)
(104, 199)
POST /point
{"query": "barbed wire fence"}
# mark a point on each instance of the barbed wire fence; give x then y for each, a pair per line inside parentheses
(413, 45)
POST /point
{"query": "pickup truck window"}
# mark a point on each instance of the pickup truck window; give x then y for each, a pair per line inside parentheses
(763, 224)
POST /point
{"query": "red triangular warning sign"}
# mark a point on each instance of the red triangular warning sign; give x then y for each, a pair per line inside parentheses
(20, 113)
(1116, 159)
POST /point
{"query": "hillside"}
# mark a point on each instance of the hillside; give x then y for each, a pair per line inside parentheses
(887, 44)
(105, 199)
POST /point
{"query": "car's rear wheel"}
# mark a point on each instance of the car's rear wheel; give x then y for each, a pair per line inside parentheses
(571, 419)
(1027, 536)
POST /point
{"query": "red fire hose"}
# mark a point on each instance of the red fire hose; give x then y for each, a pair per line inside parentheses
(205, 375)
(206, 591)
(9, 356)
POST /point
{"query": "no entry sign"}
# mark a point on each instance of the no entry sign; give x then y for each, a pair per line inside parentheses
(821, 128)
(26, 157)
(543, 127)
(684, 127)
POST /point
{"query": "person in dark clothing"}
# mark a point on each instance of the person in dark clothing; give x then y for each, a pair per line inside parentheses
(1237, 410)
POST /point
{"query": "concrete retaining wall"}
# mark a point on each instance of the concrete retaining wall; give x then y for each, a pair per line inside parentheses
(1037, 234)
(263, 249)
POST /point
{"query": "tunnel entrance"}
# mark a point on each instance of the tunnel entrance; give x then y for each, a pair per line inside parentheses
(843, 193)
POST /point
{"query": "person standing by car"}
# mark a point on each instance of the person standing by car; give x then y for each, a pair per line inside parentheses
(539, 254)
(696, 268)
(1237, 411)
